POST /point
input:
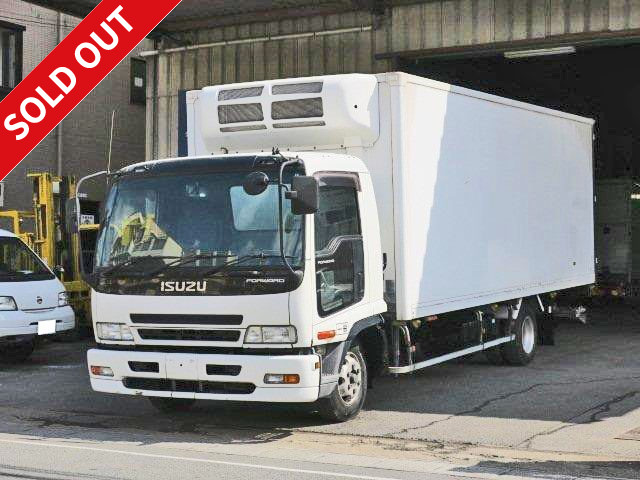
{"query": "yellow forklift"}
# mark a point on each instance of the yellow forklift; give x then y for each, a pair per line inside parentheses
(48, 238)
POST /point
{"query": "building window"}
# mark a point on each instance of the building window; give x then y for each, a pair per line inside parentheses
(10, 56)
(138, 81)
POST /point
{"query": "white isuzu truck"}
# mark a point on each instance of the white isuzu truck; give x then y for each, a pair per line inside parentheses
(399, 223)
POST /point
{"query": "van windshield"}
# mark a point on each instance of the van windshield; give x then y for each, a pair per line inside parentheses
(19, 264)
(194, 221)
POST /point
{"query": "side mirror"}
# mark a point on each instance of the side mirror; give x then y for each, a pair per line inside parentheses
(58, 270)
(71, 216)
(255, 183)
(303, 195)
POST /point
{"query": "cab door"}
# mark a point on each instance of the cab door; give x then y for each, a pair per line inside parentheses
(339, 253)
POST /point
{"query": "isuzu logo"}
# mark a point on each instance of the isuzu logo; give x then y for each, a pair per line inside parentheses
(183, 286)
(265, 280)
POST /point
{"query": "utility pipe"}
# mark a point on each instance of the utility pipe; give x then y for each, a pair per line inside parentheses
(269, 38)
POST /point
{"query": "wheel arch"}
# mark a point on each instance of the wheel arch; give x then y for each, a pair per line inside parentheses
(369, 333)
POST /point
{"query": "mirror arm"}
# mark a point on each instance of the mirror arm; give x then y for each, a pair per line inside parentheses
(283, 165)
(78, 185)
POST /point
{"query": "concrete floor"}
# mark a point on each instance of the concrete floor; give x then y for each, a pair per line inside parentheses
(575, 405)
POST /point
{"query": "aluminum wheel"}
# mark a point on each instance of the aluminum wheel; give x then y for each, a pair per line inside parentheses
(528, 335)
(350, 380)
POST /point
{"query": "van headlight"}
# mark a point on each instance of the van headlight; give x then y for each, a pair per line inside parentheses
(7, 303)
(63, 299)
(280, 334)
(114, 331)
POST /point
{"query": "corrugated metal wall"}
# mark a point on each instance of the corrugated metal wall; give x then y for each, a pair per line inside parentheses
(432, 24)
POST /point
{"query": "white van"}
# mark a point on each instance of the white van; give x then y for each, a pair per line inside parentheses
(33, 301)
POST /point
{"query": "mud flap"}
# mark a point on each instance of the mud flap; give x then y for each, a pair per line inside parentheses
(547, 324)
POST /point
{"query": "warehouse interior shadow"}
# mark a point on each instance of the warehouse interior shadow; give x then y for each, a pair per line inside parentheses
(599, 83)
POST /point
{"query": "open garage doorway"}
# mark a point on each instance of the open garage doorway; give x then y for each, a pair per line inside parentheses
(601, 83)
(597, 82)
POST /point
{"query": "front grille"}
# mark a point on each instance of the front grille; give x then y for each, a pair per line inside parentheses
(188, 386)
(231, 370)
(189, 335)
(174, 319)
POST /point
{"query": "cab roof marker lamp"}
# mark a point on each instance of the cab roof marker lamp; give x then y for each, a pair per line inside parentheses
(539, 52)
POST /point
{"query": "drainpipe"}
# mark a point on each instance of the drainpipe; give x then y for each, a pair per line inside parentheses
(59, 127)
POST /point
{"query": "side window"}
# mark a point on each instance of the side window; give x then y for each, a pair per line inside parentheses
(339, 252)
(10, 56)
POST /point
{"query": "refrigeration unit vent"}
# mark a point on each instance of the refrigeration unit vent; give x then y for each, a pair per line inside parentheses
(302, 108)
(240, 113)
(235, 93)
(312, 123)
(295, 88)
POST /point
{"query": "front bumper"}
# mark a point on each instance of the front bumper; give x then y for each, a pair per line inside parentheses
(186, 375)
(21, 323)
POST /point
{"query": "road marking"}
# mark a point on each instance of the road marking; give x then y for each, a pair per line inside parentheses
(197, 460)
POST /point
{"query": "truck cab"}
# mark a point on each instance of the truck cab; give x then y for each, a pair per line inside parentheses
(193, 299)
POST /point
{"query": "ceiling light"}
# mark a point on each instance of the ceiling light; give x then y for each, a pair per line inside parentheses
(540, 52)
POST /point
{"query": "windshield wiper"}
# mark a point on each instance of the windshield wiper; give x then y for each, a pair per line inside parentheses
(225, 266)
(132, 261)
(184, 261)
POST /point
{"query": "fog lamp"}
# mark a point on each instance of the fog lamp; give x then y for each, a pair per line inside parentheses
(101, 371)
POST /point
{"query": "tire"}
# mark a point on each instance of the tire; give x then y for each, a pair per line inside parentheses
(17, 353)
(347, 399)
(521, 351)
(172, 405)
(494, 356)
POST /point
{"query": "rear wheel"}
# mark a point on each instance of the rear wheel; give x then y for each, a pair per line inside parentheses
(523, 349)
(172, 405)
(494, 355)
(17, 353)
(347, 399)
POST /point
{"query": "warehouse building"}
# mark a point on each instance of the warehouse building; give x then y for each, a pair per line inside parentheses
(573, 55)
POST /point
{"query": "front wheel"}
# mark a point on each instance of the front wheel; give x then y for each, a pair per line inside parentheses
(523, 349)
(348, 397)
(172, 405)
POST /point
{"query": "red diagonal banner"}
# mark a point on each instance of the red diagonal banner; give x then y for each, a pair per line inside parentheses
(74, 68)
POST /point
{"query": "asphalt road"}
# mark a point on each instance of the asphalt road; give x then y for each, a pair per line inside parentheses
(33, 459)
(570, 412)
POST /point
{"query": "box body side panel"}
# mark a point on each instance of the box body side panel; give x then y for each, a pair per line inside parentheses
(492, 201)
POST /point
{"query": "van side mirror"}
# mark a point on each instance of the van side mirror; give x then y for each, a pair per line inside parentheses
(71, 216)
(58, 270)
(303, 195)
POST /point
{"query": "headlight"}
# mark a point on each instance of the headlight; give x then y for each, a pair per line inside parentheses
(284, 334)
(7, 303)
(113, 331)
(63, 299)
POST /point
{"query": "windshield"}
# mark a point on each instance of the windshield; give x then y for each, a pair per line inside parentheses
(206, 217)
(18, 263)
